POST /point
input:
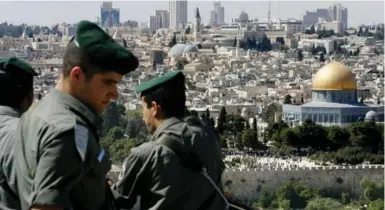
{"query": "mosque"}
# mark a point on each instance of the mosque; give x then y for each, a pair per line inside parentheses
(334, 100)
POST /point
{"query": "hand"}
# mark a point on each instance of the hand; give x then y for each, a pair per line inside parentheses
(109, 182)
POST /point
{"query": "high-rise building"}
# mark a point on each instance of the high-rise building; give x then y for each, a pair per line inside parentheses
(178, 13)
(335, 13)
(161, 19)
(220, 12)
(213, 18)
(311, 18)
(165, 18)
(154, 23)
(340, 14)
(109, 16)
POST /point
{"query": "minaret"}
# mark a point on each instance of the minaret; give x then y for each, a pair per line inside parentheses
(197, 27)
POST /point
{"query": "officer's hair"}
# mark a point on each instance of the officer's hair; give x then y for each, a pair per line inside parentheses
(75, 57)
(14, 91)
(171, 98)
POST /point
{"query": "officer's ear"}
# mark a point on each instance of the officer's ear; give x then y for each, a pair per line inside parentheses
(155, 109)
(77, 75)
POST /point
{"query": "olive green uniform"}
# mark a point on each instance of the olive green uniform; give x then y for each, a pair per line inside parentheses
(10, 70)
(59, 159)
(9, 118)
(154, 171)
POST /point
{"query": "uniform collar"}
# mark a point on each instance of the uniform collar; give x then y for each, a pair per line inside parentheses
(76, 105)
(167, 123)
(9, 111)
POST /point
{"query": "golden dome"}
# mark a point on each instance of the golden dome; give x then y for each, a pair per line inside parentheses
(334, 76)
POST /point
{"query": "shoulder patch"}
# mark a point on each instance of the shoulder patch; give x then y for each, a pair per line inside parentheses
(81, 140)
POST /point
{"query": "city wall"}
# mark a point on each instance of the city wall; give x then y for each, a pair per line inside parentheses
(247, 184)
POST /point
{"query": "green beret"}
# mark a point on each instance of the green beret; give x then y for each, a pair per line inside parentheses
(157, 82)
(12, 66)
(102, 50)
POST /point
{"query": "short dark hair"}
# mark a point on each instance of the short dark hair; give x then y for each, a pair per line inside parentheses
(13, 91)
(74, 56)
(171, 97)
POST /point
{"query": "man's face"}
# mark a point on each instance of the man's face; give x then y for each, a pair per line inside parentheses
(99, 90)
(149, 114)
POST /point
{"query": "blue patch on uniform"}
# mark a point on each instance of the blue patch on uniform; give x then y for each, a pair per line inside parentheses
(101, 155)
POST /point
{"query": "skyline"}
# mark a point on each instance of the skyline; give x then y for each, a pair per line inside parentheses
(50, 13)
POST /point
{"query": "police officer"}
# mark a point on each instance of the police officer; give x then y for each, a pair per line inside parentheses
(166, 171)
(60, 163)
(16, 96)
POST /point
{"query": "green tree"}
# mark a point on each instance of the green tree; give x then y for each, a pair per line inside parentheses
(135, 129)
(312, 135)
(287, 99)
(221, 120)
(250, 139)
(294, 195)
(322, 58)
(236, 124)
(188, 30)
(179, 65)
(366, 136)
(173, 41)
(338, 137)
(111, 117)
(323, 204)
(299, 55)
(376, 205)
(373, 190)
(120, 149)
(289, 137)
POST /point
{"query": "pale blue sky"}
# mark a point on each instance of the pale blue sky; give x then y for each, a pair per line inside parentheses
(49, 13)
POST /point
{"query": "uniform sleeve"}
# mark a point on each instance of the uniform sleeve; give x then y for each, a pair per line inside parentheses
(126, 189)
(59, 166)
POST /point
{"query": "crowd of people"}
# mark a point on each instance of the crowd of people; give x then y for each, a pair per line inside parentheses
(263, 160)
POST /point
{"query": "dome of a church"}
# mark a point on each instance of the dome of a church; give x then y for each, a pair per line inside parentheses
(179, 49)
(371, 114)
(243, 16)
(334, 76)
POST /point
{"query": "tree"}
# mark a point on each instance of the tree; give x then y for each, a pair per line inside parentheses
(287, 99)
(188, 30)
(359, 32)
(221, 120)
(120, 149)
(357, 51)
(322, 58)
(173, 41)
(366, 136)
(179, 65)
(313, 50)
(299, 55)
(111, 117)
(135, 126)
(235, 42)
(338, 137)
(323, 203)
(250, 139)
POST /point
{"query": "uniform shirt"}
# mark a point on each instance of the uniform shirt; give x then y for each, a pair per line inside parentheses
(154, 172)
(57, 153)
(9, 118)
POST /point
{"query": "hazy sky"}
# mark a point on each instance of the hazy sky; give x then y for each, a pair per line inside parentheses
(52, 12)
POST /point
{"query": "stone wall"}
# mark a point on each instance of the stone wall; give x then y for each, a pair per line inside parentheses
(248, 184)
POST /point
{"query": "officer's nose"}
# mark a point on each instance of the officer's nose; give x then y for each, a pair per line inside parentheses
(114, 94)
